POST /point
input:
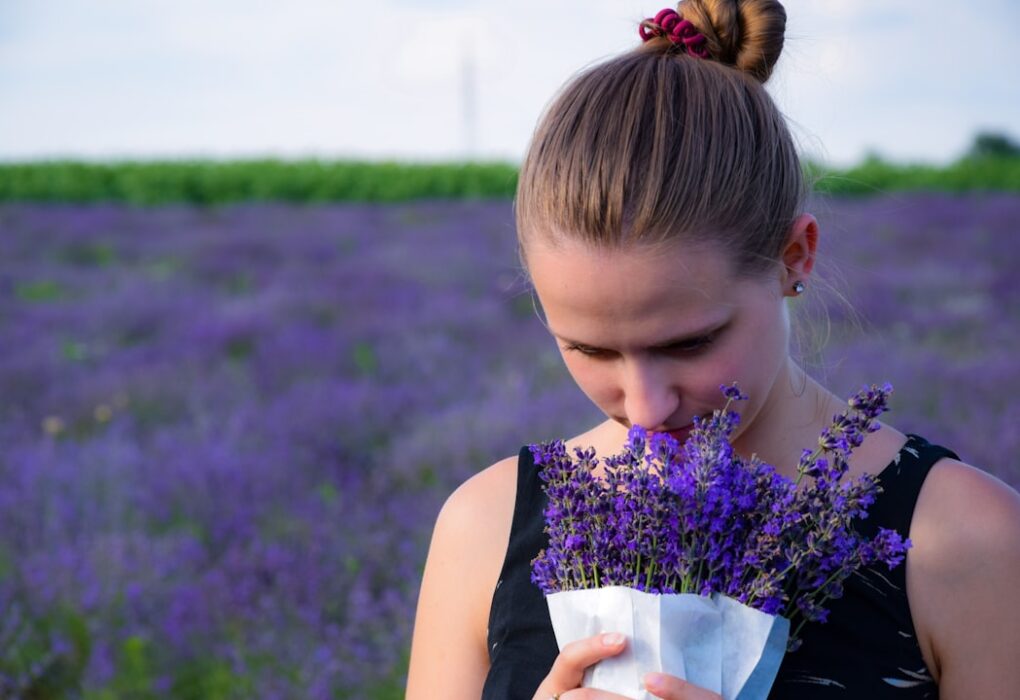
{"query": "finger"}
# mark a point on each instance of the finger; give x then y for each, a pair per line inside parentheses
(574, 658)
(672, 688)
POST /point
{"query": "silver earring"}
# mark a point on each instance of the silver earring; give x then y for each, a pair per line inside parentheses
(798, 287)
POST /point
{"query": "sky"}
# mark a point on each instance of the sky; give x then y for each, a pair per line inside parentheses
(423, 80)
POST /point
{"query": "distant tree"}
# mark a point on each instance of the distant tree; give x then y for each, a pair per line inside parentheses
(992, 144)
(873, 157)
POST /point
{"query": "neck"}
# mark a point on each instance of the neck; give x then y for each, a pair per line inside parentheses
(790, 420)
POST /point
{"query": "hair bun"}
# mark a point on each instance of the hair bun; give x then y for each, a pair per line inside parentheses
(746, 34)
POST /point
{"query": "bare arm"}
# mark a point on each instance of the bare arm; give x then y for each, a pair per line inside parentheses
(449, 658)
(963, 578)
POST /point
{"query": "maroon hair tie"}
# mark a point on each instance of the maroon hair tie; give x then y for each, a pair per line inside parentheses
(670, 24)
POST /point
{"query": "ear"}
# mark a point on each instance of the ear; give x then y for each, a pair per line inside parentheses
(799, 252)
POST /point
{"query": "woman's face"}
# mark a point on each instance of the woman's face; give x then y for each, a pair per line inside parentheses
(649, 334)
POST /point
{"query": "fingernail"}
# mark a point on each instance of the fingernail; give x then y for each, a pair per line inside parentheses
(653, 681)
(612, 639)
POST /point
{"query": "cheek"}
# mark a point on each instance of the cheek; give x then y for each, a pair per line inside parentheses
(582, 372)
(724, 367)
(593, 378)
(755, 361)
(749, 360)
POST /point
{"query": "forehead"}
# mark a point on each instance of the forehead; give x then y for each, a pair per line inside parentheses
(635, 294)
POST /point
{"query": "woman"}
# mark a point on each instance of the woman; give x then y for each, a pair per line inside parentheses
(660, 217)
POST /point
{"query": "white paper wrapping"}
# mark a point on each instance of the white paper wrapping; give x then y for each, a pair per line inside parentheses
(716, 643)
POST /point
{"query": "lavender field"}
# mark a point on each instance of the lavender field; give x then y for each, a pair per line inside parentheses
(227, 431)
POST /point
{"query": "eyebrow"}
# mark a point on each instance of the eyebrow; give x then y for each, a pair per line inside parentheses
(677, 340)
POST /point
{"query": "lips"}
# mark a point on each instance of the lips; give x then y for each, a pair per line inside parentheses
(681, 433)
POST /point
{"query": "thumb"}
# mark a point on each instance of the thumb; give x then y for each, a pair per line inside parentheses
(568, 669)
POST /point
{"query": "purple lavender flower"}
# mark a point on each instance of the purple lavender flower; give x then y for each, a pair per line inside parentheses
(185, 385)
(698, 518)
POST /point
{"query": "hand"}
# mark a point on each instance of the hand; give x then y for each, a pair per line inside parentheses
(667, 687)
(568, 669)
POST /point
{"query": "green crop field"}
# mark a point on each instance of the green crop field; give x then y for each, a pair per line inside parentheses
(219, 182)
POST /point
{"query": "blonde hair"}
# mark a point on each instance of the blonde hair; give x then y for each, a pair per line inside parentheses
(655, 145)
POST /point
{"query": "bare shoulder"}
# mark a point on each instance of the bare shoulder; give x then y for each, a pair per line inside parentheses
(972, 512)
(474, 500)
(476, 520)
(465, 557)
(962, 573)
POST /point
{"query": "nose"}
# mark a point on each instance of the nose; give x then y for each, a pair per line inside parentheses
(650, 399)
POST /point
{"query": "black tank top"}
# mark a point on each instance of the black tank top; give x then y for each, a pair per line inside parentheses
(867, 649)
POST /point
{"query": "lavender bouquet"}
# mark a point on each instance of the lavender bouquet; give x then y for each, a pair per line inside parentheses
(710, 562)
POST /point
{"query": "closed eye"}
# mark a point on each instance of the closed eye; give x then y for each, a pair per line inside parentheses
(692, 346)
(586, 350)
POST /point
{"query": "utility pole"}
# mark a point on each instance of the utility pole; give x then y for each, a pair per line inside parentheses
(469, 100)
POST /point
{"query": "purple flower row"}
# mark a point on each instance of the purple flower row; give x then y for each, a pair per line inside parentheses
(227, 431)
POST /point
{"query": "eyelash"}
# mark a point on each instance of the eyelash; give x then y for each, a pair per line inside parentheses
(690, 347)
